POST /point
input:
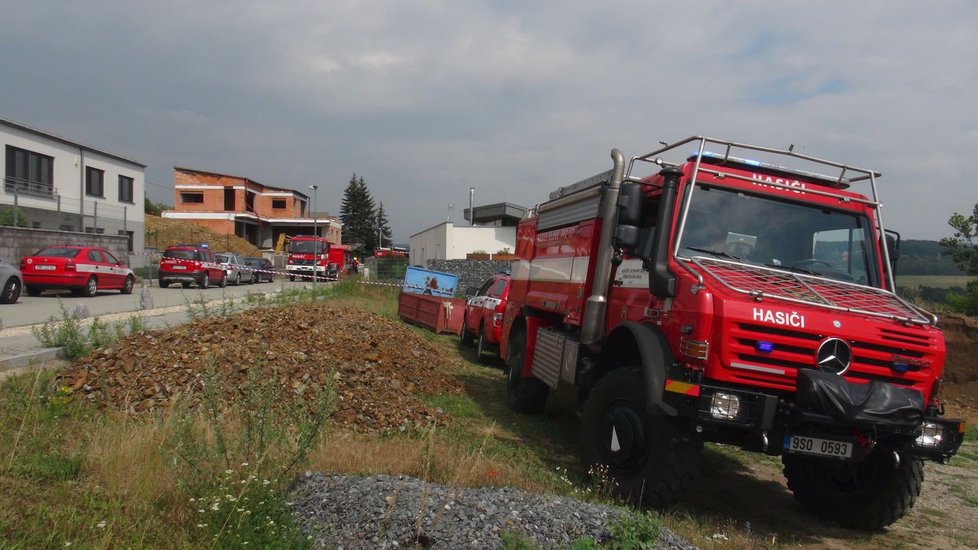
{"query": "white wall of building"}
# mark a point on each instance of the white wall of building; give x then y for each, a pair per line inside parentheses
(69, 208)
(445, 241)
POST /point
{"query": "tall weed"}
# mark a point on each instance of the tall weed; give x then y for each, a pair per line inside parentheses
(235, 461)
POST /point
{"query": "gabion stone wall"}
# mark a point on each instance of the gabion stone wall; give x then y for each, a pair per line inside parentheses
(470, 272)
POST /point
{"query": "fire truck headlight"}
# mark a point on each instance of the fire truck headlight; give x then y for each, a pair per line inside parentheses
(931, 436)
(725, 406)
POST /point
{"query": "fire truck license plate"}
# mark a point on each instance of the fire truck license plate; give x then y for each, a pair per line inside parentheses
(44, 268)
(815, 446)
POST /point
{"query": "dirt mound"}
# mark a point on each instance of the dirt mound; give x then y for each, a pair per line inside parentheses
(164, 232)
(381, 366)
(961, 366)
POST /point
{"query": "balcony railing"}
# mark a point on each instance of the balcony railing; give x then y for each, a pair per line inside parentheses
(26, 187)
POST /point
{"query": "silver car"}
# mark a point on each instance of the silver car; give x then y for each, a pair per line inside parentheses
(11, 283)
(232, 264)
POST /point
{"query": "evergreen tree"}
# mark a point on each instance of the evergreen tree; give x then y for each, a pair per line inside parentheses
(358, 215)
(386, 235)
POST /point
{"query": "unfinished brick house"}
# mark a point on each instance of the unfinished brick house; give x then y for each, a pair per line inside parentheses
(234, 205)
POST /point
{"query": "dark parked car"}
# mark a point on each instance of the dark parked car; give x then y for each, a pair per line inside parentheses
(260, 268)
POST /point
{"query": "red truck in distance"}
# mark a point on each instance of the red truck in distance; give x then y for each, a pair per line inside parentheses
(738, 294)
(308, 257)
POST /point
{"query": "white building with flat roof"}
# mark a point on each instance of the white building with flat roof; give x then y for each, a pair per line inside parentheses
(55, 183)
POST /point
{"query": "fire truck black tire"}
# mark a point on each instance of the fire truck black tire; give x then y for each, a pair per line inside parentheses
(128, 285)
(90, 288)
(205, 281)
(224, 281)
(292, 278)
(525, 395)
(183, 284)
(654, 464)
(867, 495)
(33, 290)
(465, 337)
(164, 284)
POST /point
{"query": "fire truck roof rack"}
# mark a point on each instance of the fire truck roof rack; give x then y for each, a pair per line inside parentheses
(847, 174)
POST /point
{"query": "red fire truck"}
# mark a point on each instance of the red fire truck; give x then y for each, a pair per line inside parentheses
(724, 296)
(308, 257)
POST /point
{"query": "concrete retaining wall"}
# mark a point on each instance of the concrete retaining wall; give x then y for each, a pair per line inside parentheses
(17, 242)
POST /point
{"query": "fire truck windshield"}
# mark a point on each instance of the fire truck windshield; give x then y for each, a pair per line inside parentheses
(781, 234)
(306, 247)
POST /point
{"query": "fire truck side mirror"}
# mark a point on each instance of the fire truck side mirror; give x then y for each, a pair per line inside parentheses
(626, 236)
(630, 204)
(629, 215)
(893, 244)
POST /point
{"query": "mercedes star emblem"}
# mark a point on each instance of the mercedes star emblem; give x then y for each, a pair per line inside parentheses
(834, 355)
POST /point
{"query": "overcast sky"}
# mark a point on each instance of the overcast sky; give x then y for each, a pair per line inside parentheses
(426, 99)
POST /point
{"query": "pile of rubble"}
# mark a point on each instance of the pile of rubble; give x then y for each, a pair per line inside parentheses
(379, 366)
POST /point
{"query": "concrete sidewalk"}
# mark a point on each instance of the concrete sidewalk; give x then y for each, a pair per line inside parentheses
(19, 348)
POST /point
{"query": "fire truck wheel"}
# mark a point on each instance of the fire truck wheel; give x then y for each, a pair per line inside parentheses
(483, 350)
(224, 281)
(465, 338)
(525, 395)
(205, 281)
(645, 456)
(292, 278)
(184, 285)
(164, 284)
(866, 495)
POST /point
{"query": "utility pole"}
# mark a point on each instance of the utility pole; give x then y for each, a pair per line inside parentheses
(315, 232)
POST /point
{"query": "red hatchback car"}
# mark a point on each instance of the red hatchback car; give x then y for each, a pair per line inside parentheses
(82, 269)
(483, 319)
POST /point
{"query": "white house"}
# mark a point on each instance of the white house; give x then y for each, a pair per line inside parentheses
(446, 241)
(59, 184)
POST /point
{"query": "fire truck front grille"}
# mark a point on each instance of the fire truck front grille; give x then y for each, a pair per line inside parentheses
(759, 281)
(301, 262)
(774, 354)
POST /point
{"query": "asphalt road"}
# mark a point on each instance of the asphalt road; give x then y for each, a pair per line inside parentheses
(33, 310)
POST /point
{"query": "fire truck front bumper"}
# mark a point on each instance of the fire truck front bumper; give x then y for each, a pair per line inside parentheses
(827, 417)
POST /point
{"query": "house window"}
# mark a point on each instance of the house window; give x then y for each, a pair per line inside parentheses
(94, 180)
(278, 203)
(125, 189)
(29, 172)
(192, 198)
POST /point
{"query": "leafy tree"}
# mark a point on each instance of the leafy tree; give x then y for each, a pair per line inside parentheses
(386, 235)
(152, 209)
(963, 247)
(358, 215)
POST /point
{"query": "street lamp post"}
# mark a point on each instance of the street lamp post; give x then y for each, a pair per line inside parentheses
(315, 232)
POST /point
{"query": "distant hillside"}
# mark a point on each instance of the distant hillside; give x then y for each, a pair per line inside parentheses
(925, 258)
(163, 232)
